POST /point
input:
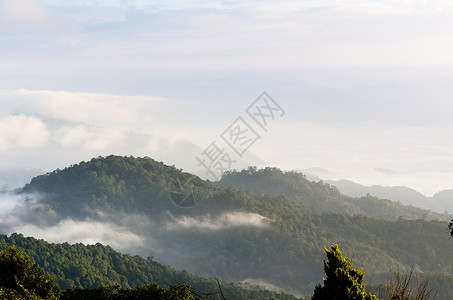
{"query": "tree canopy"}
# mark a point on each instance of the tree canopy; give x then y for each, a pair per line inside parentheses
(24, 279)
(93, 270)
(342, 281)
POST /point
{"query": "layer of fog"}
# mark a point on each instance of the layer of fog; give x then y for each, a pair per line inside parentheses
(220, 222)
(86, 232)
(170, 238)
(262, 284)
(131, 233)
(23, 213)
(416, 157)
(9, 202)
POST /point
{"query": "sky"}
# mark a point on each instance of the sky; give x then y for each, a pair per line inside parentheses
(364, 87)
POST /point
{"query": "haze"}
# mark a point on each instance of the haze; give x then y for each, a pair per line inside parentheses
(366, 87)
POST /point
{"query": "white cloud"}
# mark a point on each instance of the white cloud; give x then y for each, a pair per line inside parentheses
(425, 5)
(91, 138)
(23, 14)
(88, 107)
(8, 202)
(264, 284)
(76, 126)
(211, 48)
(141, 4)
(86, 232)
(273, 7)
(21, 131)
(421, 157)
(20, 213)
(95, 109)
(221, 222)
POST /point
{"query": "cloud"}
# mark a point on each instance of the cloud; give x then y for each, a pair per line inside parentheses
(220, 222)
(90, 138)
(24, 213)
(21, 131)
(23, 14)
(89, 108)
(9, 202)
(263, 284)
(79, 126)
(420, 157)
(86, 232)
(18, 209)
(137, 234)
(385, 171)
(79, 113)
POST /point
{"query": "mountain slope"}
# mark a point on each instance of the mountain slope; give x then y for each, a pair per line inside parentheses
(321, 196)
(80, 266)
(272, 237)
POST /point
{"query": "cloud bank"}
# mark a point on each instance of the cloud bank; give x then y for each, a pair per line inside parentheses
(86, 232)
(21, 131)
(220, 222)
(163, 78)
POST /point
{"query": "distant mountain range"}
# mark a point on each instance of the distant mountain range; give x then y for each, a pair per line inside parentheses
(441, 202)
(326, 196)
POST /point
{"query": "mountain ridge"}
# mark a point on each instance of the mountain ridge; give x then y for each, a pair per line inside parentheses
(234, 233)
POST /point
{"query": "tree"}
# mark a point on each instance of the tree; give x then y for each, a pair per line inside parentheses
(179, 291)
(24, 279)
(342, 281)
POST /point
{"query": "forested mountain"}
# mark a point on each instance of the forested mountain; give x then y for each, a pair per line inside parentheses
(114, 185)
(91, 266)
(270, 229)
(322, 196)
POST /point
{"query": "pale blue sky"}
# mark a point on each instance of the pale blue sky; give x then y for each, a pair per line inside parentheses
(366, 85)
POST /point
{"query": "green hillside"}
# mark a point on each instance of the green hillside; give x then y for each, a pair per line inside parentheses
(322, 196)
(112, 184)
(91, 266)
(273, 234)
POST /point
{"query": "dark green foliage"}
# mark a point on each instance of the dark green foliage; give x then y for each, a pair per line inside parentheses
(342, 281)
(112, 184)
(24, 279)
(145, 292)
(95, 269)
